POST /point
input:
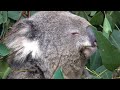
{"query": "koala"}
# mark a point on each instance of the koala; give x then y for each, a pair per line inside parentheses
(49, 40)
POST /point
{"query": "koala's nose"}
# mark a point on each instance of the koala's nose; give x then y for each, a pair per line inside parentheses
(91, 36)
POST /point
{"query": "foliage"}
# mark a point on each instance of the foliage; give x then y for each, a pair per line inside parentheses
(106, 59)
(58, 74)
(101, 64)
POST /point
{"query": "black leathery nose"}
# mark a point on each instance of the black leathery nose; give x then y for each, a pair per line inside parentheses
(91, 36)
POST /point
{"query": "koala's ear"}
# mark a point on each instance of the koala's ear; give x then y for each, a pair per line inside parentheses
(21, 43)
(25, 28)
(20, 27)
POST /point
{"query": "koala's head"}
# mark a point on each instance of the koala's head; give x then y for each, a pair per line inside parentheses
(55, 39)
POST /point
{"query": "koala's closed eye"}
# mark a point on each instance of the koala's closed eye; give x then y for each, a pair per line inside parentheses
(75, 33)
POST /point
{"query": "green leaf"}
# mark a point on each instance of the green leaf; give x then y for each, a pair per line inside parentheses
(7, 71)
(109, 12)
(3, 50)
(103, 72)
(95, 61)
(58, 74)
(93, 13)
(95, 77)
(4, 69)
(106, 27)
(84, 15)
(15, 15)
(4, 16)
(1, 19)
(88, 12)
(110, 19)
(116, 17)
(32, 12)
(7, 25)
(97, 19)
(109, 53)
(115, 38)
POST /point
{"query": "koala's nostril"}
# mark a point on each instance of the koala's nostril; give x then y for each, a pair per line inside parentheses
(91, 36)
(93, 41)
(94, 44)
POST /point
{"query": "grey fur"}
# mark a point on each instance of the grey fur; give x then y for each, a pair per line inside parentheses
(55, 39)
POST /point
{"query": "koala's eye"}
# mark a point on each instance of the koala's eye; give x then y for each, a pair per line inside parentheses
(75, 33)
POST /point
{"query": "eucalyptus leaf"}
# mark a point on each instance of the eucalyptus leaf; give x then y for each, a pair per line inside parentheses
(32, 12)
(116, 17)
(15, 15)
(3, 50)
(84, 15)
(58, 74)
(115, 38)
(4, 13)
(4, 69)
(109, 12)
(97, 19)
(88, 12)
(103, 72)
(93, 13)
(106, 27)
(109, 53)
(7, 71)
(110, 19)
(95, 61)
(1, 18)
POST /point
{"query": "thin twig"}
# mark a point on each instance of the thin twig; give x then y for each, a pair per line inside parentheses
(57, 64)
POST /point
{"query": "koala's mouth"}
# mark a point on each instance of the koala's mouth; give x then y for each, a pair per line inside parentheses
(94, 44)
(89, 50)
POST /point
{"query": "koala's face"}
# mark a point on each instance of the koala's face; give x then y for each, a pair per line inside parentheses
(71, 33)
(78, 44)
(52, 40)
(80, 39)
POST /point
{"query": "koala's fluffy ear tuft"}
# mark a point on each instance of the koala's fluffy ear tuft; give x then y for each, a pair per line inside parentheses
(20, 28)
(19, 41)
(25, 28)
